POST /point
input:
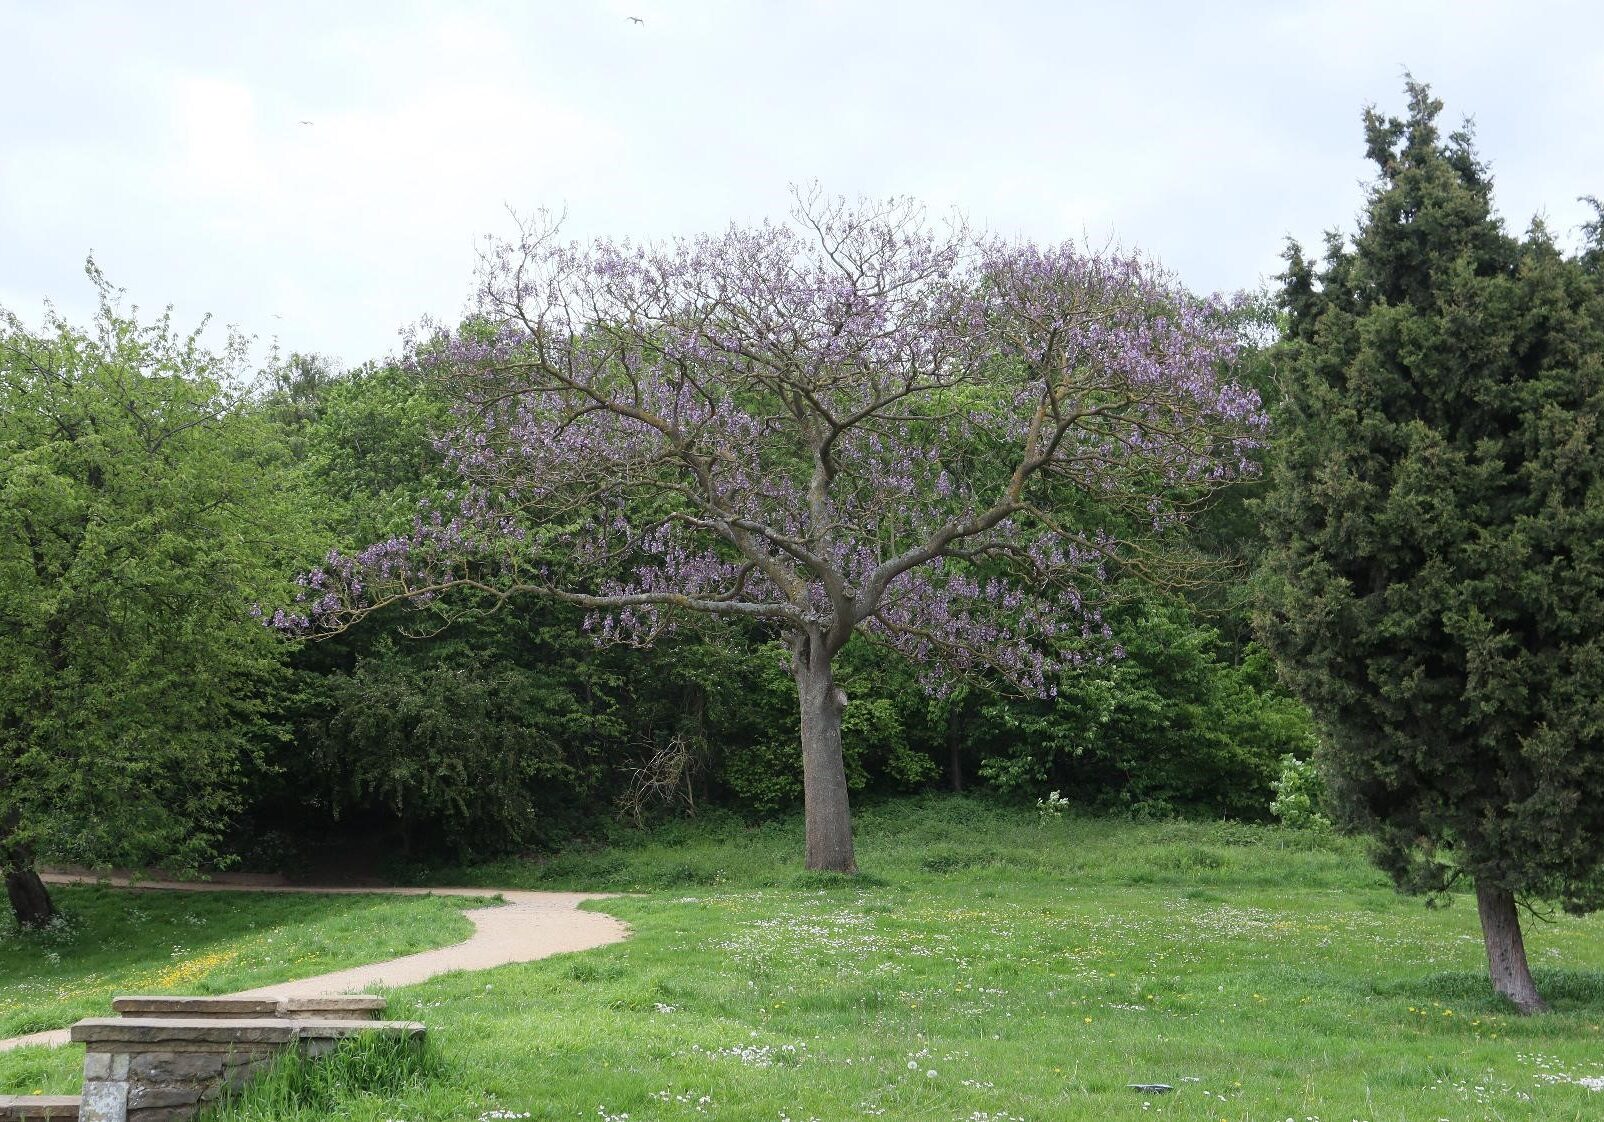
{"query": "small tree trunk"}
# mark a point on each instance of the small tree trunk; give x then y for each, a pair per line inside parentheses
(826, 807)
(1506, 950)
(30, 899)
(955, 763)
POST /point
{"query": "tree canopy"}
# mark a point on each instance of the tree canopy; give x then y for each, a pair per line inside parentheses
(142, 509)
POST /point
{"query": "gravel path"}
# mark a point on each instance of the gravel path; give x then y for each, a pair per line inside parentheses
(528, 926)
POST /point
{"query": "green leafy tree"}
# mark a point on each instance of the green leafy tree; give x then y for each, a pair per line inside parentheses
(490, 736)
(1172, 727)
(1435, 582)
(141, 513)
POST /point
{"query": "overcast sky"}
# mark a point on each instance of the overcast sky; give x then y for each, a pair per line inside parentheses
(165, 136)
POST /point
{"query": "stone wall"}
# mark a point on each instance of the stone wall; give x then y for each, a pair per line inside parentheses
(164, 1069)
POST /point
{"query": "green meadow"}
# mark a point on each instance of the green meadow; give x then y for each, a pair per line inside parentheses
(988, 966)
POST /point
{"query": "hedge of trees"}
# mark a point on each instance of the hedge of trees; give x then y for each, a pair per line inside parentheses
(503, 730)
(153, 497)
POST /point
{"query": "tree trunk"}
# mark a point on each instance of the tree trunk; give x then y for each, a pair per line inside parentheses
(955, 763)
(30, 899)
(1506, 950)
(824, 774)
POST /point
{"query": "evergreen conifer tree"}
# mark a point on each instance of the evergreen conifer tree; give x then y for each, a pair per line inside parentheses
(1434, 587)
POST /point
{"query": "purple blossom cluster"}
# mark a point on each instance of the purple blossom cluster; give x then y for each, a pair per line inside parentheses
(856, 421)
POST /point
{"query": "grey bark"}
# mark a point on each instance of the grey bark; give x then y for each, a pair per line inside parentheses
(827, 808)
(1506, 949)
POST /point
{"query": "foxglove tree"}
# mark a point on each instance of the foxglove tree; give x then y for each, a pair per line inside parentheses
(854, 422)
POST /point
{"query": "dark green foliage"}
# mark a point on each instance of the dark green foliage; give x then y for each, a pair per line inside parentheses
(457, 741)
(513, 730)
(1435, 585)
(494, 734)
(504, 731)
(752, 718)
(1170, 728)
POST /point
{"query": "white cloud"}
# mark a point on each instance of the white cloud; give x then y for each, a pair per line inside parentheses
(166, 137)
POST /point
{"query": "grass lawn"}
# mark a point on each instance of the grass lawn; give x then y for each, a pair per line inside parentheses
(119, 941)
(990, 968)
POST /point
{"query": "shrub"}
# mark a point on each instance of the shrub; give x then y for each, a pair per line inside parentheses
(1299, 795)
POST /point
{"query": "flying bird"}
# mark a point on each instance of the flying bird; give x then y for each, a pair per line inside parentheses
(305, 122)
(636, 19)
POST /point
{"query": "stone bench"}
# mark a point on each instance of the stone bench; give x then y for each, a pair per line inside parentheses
(165, 1068)
(351, 1006)
(38, 1108)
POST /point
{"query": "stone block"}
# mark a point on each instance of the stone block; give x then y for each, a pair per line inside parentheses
(341, 1007)
(193, 1007)
(142, 1095)
(104, 1100)
(165, 1067)
(38, 1108)
(246, 1058)
(164, 1034)
(105, 1065)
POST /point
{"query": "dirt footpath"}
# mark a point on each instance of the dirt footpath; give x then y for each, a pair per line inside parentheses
(528, 926)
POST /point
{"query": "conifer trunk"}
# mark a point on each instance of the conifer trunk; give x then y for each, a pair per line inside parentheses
(827, 808)
(1506, 949)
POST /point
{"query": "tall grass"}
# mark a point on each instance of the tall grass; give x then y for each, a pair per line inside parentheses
(367, 1066)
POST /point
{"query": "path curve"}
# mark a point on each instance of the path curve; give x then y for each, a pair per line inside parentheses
(530, 925)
